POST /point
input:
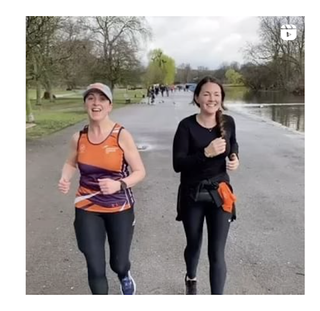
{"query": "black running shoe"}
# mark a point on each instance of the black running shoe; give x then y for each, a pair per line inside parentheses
(191, 286)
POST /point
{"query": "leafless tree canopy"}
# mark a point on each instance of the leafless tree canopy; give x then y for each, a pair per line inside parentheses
(274, 62)
(74, 51)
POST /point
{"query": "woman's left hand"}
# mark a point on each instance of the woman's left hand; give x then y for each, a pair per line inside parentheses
(233, 164)
(109, 186)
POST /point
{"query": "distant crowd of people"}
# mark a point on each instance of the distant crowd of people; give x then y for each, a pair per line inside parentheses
(156, 89)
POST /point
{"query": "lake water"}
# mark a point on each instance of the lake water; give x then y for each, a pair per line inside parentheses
(280, 107)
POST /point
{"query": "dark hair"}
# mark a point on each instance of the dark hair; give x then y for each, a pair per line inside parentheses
(219, 115)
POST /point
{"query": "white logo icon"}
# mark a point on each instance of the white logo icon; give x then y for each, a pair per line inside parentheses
(288, 32)
(109, 149)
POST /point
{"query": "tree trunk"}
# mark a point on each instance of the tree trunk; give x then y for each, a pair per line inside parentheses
(30, 117)
(38, 90)
(50, 92)
(48, 88)
(36, 73)
(112, 84)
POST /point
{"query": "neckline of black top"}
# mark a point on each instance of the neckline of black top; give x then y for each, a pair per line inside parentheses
(210, 129)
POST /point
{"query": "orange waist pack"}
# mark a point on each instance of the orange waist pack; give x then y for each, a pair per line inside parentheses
(227, 197)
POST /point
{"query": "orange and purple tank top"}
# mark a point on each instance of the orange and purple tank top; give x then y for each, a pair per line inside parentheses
(98, 161)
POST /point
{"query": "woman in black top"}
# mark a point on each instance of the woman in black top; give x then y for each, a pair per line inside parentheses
(201, 145)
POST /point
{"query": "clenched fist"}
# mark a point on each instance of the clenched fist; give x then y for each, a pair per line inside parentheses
(216, 147)
(233, 163)
(109, 186)
(64, 185)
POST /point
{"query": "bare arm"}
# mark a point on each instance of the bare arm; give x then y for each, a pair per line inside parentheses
(133, 158)
(70, 166)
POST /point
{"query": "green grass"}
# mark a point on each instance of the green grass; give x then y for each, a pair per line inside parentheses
(68, 110)
(233, 85)
(53, 117)
(51, 122)
(119, 95)
(56, 91)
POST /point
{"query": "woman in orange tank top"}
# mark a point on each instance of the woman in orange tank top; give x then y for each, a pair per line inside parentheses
(104, 205)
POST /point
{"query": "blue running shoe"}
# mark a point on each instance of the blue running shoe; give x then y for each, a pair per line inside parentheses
(128, 286)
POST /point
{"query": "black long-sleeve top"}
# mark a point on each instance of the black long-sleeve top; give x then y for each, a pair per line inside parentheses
(188, 150)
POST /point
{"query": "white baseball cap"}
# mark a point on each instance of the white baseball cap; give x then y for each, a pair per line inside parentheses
(100, 87)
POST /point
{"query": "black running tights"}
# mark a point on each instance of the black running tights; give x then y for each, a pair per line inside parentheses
(218, 223)
(91, 230)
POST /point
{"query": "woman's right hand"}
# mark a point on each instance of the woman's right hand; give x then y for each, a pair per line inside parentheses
(216, 147)
(64, 185)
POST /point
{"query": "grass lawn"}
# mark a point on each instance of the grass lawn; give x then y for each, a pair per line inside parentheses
(56, 91)
(120, 95)
(68, 109)
(53, 117)
(233, 85)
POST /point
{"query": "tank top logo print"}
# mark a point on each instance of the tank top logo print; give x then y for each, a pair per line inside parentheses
(108, 149)
(82, 148)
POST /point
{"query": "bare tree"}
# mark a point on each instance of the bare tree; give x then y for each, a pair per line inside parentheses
(73, 54)
(117, 41)
(185, 72)
(36, 27)
(284, 59)
(40, 31)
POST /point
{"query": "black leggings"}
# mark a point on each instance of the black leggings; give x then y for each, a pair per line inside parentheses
(218, 223)
(91, 229)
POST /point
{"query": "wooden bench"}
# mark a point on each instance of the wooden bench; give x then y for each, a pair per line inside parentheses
(127, 98)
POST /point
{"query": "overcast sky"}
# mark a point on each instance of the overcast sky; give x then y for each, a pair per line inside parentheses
(203, 41)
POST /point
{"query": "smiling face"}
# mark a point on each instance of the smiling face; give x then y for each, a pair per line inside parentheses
(209, 98)
(98, 106)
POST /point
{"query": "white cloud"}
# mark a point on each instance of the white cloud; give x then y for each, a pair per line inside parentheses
(203, 41)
